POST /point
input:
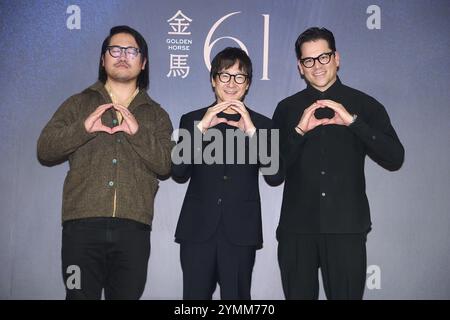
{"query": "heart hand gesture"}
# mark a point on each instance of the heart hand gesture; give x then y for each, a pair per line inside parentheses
(245, 122)
(93, 122)
(129, 123)
(210, 118)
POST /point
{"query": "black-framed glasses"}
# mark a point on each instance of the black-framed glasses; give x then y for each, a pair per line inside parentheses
(324, 58)
(116, 51)
(226, 77)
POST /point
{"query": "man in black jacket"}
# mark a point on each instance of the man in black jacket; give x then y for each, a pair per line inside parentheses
(219, 228)
(326, 131)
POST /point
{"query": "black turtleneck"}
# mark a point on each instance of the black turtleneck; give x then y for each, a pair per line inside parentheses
(324, 188)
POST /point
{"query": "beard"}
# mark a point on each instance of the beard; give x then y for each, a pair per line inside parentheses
(123, 77)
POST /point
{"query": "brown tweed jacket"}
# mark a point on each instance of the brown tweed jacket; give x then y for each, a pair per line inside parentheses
(110, 175)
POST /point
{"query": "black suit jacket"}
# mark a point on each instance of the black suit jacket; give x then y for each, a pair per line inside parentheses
(220, 193)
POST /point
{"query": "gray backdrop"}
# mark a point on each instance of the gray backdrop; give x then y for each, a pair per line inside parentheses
(50, 51)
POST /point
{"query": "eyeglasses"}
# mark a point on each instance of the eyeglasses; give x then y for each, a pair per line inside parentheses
(324, 58)
(226, 77)
(116, 51)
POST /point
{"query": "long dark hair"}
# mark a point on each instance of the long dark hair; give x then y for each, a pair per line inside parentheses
(143, 78)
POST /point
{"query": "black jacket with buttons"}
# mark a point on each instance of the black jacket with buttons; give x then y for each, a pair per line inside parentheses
(220, 193)
(324, 189)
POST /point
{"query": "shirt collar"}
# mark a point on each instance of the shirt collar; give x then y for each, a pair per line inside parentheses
(141, 98)
(330, 92)
(114, 98)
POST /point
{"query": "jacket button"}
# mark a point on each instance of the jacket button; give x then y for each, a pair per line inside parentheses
(225, 177)
(111, 183)
(323, 194)
(219, 201)
(114, 161)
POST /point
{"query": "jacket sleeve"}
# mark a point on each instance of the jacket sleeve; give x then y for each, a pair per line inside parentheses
(64, 133)
(153, 144)
(186, 152)
(273, 172)
(268, 151)
(379, 137)
(291, 142)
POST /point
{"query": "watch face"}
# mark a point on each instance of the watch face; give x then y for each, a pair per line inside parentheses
(323, 113)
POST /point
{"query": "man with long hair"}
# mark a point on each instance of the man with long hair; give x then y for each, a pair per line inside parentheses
(117, 140)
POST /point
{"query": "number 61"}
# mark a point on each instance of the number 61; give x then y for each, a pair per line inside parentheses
(208, 44)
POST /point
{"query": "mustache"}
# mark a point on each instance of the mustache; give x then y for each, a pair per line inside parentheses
(121, 63)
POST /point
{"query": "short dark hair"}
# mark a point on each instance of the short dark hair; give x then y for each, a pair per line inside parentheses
(227, 58)
(143, 78)
(313, 34)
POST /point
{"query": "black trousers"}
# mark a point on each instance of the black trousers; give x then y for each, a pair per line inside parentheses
(216, 261)
(109, 254)
(340, 257)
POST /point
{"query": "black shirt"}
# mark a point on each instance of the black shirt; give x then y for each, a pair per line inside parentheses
(324, 189)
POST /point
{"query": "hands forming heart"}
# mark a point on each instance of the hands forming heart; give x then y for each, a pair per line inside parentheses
(341, 115)
(93, 123)
(210, 119)
(245, 122)
(309, 121)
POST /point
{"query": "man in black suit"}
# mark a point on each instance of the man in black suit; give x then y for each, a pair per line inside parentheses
(219, 228)
(326, 131)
